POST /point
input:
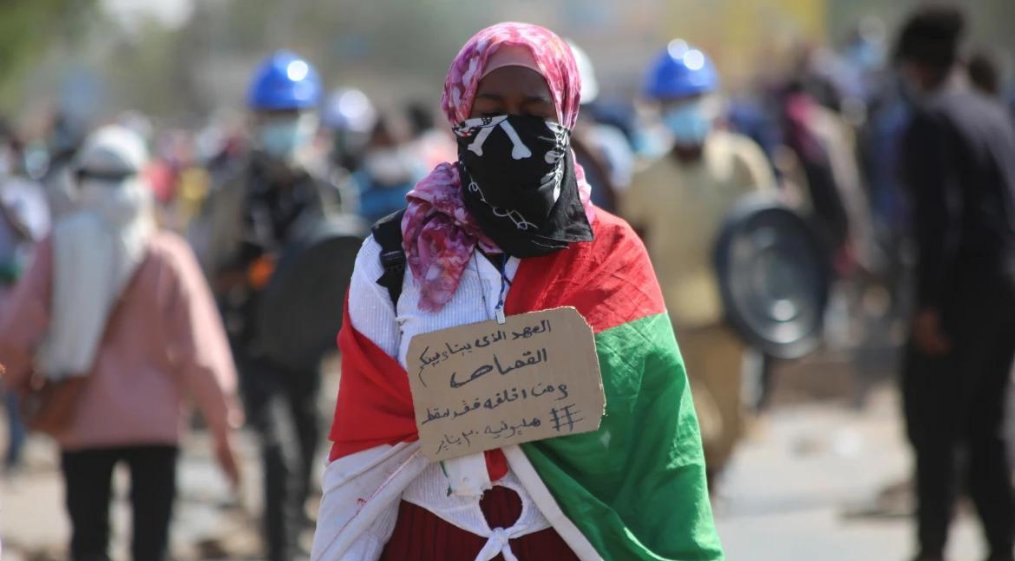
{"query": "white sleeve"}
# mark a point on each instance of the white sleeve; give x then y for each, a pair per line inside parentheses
(360, 500)
(359, 508)
(370, 308)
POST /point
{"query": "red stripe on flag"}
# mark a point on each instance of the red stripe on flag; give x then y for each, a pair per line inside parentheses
(610, 281)
(374, 400)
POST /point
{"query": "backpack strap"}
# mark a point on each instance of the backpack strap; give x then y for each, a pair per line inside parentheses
(388, 233)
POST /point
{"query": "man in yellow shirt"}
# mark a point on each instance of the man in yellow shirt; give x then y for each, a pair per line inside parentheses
(678, 204)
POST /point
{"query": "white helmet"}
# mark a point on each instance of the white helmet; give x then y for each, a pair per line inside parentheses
(587, 73)
(349, 109)
(112, 150)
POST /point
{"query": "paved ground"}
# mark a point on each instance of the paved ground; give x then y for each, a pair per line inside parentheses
(210, 523)
(808, 485)
(804, 486)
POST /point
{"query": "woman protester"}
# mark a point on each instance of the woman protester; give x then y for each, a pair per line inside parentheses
(505, 230)
(115, 317)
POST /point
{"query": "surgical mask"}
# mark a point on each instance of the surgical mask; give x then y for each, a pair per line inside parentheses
(349, 147)
(389, 166)
(865, 55)
(283, 138)
(689, 123)
(118, 202)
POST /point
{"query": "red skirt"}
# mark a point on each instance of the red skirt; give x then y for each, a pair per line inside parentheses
(421, 536)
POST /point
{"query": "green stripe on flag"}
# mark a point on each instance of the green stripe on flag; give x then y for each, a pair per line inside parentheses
(636, 487)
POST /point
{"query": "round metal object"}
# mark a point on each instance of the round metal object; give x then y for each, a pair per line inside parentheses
(773, 277)
(299, 313)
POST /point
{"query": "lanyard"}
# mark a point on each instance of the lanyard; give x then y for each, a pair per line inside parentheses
(500, 263)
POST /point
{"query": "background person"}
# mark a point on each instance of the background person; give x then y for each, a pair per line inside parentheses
(121, 309)
(678, 204)
(959, 167)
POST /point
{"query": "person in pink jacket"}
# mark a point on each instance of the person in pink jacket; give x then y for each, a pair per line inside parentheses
(111, 299)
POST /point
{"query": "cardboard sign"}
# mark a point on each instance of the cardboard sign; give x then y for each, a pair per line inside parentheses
(486, 385)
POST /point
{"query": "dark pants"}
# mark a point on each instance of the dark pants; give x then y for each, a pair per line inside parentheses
(88, 477)
(16, 429)
(281, 407)
(955, 408)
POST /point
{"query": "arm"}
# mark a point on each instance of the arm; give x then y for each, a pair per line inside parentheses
(360, 501)
(359, 508)
(370, 308)
(26, 318)
(198, 350)
(23, 205)
(331, 194)
(222, 219)
(936, 206)
(632, 203)
(753, 166)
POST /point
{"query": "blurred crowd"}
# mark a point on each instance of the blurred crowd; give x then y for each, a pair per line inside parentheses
(822, 136)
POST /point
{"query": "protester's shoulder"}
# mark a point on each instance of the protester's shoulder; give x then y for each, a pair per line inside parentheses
(661, 164)
(368, 259)
(985, 111)
(232, 172)
(229, 183)
(171, 250)
(739, 144)
(621, 266)
(965, 113)
(614, 233)
(16, 186)
(947, 109)
(651, 176)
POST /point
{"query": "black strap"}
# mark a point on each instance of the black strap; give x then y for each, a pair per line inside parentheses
(388, 232)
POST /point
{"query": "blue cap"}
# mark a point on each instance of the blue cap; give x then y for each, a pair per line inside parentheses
(681, 71)
(284, 81)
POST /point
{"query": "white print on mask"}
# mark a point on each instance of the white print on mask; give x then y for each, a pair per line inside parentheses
(519, 150)
(553, 178)
(389, 166)
(556, 176)
(516, 217)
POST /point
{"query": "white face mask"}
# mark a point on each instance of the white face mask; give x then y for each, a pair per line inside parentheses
(119, 203)
(689, 124)
(284, 138)
(389, 166)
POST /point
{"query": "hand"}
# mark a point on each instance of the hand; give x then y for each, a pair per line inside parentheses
(928, 335)
(225, 453)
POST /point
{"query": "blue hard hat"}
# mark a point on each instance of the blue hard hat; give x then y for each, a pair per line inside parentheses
(681, 71)
(284, 81)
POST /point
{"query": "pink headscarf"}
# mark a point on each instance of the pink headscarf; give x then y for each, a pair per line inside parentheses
(439, 235)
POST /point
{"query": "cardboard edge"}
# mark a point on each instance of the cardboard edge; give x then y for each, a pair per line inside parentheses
(592, 362)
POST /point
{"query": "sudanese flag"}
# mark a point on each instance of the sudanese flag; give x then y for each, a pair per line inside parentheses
(636, 487)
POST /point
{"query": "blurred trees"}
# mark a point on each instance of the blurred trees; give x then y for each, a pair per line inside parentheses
(28, 29)
(59, 51)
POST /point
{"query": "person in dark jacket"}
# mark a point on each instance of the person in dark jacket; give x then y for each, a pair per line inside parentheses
(959, 166)
(276, 195)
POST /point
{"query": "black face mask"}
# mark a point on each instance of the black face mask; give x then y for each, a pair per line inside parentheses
(518, 181)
